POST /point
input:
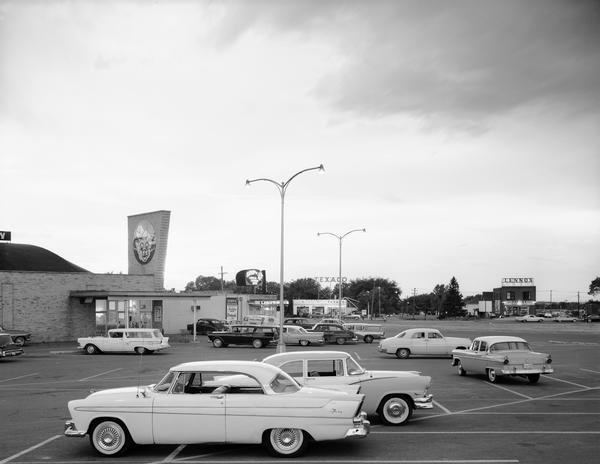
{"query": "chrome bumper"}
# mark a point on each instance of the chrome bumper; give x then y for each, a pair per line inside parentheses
(425, 402)
(71, 431)
(361, 427)
(524, 371)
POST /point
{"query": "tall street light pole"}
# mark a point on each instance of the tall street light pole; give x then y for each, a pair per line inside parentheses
(282, 187)
(340, 238)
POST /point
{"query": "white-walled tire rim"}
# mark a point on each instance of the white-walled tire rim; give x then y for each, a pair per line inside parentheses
(491, 375)
(396, 410)
(109, 438)
(286, 441)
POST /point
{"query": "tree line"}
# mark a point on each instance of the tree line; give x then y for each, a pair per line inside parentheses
(376, 295)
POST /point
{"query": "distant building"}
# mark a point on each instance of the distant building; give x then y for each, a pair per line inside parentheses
(515, 297)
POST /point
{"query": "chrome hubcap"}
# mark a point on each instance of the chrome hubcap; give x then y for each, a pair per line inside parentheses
(395, 409)
(286, 440)
(109, 438)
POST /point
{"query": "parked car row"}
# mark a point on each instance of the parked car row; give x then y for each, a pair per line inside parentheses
(19, 337)
(310, 395)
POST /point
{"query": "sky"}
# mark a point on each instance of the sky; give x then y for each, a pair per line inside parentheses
(463, 135)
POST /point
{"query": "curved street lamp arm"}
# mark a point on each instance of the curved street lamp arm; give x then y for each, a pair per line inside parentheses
(353, 230)
(286, 183)
(250, 181)
(329, 233)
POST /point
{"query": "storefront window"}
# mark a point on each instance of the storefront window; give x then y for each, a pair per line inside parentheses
(101, 317)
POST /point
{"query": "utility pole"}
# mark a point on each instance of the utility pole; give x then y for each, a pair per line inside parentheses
(414, 301)
(221, 273)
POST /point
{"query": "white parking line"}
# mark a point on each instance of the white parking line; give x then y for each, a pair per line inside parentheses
(20, 377)
(490, 432)
(102, 373)
(370, 461)
(566, 381)
(509, 390)
(10, 458)
(589, 370)
(171, 456)
(446, 410)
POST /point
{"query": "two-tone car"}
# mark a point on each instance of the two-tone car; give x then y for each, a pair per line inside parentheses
(391, 395)
(218, 402)
(258, 336)
(296, 335)
(20, 337)
(134, 340)
(501, 355)
(422, 342)
(366, 332)
(335, 333)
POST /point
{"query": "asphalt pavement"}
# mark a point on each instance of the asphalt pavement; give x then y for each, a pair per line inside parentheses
(473, 421)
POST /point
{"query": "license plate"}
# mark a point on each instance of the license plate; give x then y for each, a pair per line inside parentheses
(528, 366)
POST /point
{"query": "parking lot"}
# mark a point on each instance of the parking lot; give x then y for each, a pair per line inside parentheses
(473, 421)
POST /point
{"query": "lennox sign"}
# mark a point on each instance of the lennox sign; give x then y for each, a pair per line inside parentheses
(516, 281)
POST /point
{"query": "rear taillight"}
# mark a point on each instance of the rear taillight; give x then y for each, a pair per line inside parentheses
(549, 361)
(506, 361)
(359, 407)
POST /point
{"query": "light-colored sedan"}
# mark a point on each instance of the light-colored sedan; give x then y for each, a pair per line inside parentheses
(296, 335)
(392, 395)
(218, 402)
(125, 341)
(530, 318)
(565, 318)
(422, 342)
(496, 356)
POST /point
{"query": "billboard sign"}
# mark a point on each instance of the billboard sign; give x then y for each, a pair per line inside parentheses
(5, 235)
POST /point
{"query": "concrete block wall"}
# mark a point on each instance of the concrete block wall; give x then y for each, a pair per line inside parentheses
(39, 302)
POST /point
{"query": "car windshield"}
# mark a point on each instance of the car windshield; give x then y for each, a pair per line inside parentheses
(353, 367)
(283, 383)
(165, 383)
(510, 346)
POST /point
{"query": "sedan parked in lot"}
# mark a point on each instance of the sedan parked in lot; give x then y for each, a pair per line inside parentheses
(20, 337)
(257, 336)
(142, 341)
(390, 394)
(530, 318)
(565, 318)
(366, 332)
(295, 335)
(422, 342)
(335, 333)
(7, 347)
(496, 356)
(218, 402)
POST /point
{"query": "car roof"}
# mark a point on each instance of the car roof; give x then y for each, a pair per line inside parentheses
(419, 329)
(262, 372)
(499, 338)
(297, 355)
(137, 329)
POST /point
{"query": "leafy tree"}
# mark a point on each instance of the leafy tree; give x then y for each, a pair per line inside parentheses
(303, 289)
(594, 286)
(453, 303)
(379, 294)
(439, 293)
(204, 283)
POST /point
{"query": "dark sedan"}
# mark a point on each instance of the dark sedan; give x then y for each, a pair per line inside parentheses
(7, 347)
(254, 335)
(335, 333)
(20, 337)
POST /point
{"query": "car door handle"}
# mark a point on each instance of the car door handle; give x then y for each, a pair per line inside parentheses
(218, 397)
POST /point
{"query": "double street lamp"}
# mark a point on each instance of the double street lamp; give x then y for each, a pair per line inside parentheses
(282, 187)
(340, 238)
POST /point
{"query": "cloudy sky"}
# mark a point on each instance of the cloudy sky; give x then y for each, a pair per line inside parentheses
(463, 135)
